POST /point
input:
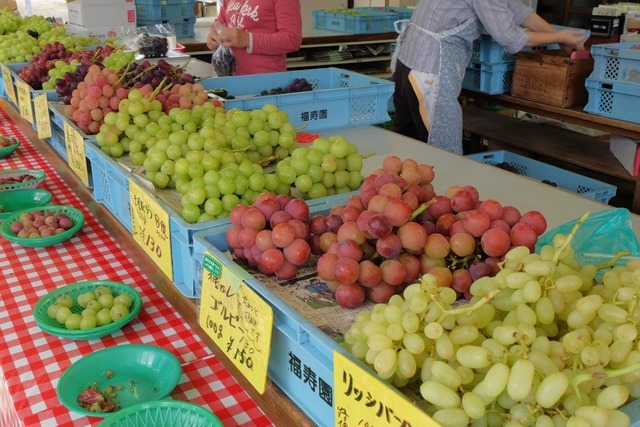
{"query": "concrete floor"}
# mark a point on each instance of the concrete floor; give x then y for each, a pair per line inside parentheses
(46, 8)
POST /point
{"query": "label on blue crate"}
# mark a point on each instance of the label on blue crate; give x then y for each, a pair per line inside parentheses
(8, 84)
(43, 121)
(150, 227)
(238, 320)
(363, 399)
(77, 157)
(24, 101)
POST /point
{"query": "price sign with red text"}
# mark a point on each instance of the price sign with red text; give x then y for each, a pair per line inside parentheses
(238, 320)
(150, 227)
(24, 101)
(364, 400)
(43, 122)
(8, 83)
(77, 157)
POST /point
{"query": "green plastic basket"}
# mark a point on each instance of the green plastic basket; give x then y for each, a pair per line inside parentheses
(18, 200)
(74, 214)
(38, 175)
(140, 373)
(9, 149)
(165, 413)
(53, 327)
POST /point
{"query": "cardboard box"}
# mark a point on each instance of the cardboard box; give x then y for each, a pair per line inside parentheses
(88, 14)
(551, 77)
(10, 4)
(100, 33)
(627, 152)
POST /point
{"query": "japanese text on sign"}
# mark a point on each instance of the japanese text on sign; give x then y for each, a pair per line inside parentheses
(309, 116)
(363, 400)
(8, 83)
(43, 122)
(24, 101)
(308, 376)
(150, 227)
(75, 152)
(237, 319)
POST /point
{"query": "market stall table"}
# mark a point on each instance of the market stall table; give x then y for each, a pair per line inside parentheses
(31, 361)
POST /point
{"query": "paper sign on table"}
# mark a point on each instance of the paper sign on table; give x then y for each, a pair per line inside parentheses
(8, 83)
(24, 101)
(150, 227)
(43, 122)
(362, 399)
(76, 155)
(238, 320)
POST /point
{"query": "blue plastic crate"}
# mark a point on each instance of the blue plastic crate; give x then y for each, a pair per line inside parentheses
(293, 335)
(587, 187)
(616, 62)
(633, 411)
(493, 79)
(615, 100)
(184, 28)
(402, 12)
(339, 99)
(373, 22)
(487, 50)
(57, 141)
(110, 183)
(164, 9)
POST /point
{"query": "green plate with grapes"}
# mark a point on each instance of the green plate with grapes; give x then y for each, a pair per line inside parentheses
(117, 378)
(76, 311)
(8, 145)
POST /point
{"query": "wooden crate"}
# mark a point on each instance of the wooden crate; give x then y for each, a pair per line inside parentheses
(551, 77)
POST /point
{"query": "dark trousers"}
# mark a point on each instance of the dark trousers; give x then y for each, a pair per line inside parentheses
(407, 118)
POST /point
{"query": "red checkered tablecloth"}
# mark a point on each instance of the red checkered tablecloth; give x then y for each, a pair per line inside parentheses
(31, 361)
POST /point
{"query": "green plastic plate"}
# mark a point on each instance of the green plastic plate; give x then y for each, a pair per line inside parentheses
(146, 373)
(53, 327)
(74, 214)
(18, 200)
(38, 177)
(166, 413)
(9, 149)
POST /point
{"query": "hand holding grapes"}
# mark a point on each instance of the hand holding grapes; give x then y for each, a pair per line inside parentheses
(234, 38)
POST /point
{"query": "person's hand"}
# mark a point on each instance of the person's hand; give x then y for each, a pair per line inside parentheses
(572, 40)
(213, 39)
(234, 38)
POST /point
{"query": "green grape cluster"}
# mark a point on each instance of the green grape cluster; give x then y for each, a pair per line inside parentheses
(18, 47)
(545, 342)
(9, 22)
(61, 67)
(36, 23)
(118, 59)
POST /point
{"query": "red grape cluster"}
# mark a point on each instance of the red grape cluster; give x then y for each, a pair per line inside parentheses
(36, 71)
(183, 96)
(271, 235)
(136, 75)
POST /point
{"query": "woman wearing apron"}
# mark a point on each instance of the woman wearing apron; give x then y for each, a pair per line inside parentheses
(434, 50)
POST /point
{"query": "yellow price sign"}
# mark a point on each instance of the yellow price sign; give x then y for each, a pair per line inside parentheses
(364, 400)
(76, 156)
(150, 227)
(238, 320)
(24, 101)
(43, 122)
(8, 83)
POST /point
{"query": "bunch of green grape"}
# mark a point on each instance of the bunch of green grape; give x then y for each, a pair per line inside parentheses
(58, 72)
(538, 344)
(9, 22)
(118, 59)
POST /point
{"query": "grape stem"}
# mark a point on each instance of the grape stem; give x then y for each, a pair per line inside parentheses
(366, 156)
(569, 237)
(465, 309)
(576, 380)
(423, 207)
(612, 261)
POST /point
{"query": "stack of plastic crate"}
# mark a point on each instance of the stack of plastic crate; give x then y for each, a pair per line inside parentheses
(490, 69)
(614, 84)
(179, 13)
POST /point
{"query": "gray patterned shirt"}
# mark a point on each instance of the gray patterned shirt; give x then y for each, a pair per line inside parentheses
(501, 19)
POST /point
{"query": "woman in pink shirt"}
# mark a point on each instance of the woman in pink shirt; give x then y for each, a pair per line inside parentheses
(260, 32)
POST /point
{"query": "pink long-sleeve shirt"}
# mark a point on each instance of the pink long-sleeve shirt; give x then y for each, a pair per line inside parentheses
(275, 28)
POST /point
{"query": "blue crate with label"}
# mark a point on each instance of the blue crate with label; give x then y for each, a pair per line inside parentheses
(184, 28)
(33, 93)
(355, 22)
(339, 99)
(164, 9)
(299, 343)
(613, 99)
(587, 187)
(493, 79)
(402, 12)
(616, 62)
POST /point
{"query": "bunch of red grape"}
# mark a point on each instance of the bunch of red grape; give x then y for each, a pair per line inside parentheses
(36, 72)
(136, 75)
(183, 96)
(397, 229)
(272, 234)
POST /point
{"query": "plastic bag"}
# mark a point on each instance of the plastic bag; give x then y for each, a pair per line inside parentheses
(223, 59)
(152, 41)
(601, 236)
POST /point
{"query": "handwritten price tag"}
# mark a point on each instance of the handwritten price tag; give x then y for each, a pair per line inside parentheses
(364, 400)
(24, 101)
(77, 158)
(43, 122)
(8, 83)
(150, 227)
(237, 319)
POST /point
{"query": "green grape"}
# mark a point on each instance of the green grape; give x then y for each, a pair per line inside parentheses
(551, 389)
(520, 379)
(439, 395)
(73, 321)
